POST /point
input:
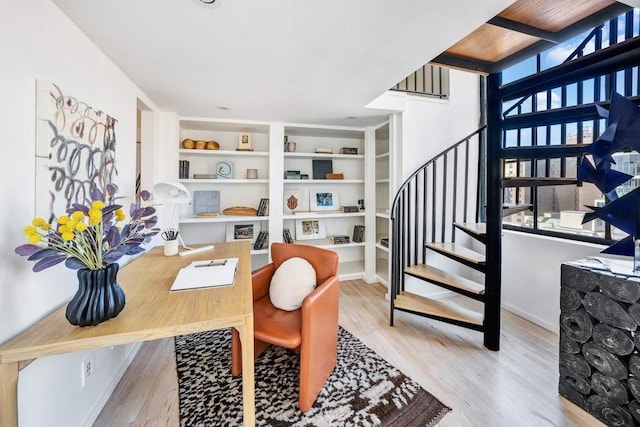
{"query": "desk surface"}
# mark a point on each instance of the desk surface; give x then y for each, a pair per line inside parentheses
(150, 312)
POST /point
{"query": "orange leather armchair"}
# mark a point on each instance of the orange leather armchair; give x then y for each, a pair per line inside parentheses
(312, 329)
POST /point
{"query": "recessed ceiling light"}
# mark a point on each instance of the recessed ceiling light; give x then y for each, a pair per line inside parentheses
(351, 118)
(223, 108)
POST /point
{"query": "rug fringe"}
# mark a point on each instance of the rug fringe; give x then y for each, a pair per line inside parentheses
(444, 411)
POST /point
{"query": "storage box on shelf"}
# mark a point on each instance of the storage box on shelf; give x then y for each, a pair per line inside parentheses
(241, 176)
(309, 193)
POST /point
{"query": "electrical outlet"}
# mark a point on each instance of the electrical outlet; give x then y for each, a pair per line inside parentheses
(88, 368)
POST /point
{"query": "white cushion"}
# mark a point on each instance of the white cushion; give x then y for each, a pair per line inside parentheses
(291, 283)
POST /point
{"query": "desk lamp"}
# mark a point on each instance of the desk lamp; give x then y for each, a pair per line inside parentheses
(177, 194)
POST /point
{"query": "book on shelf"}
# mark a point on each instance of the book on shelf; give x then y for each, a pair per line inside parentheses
(339, 239)
(263, 207)
(286, 236)
(358, 233)
(349, 150)
(262, 241)
(204, 176)
(322, 150)
(384, 242)
(183, 169)
(321, 167)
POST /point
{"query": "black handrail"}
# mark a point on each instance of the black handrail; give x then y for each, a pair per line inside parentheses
(423, 196)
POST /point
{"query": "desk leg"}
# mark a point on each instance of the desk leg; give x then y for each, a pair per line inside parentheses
(248, 395)
(9, 394)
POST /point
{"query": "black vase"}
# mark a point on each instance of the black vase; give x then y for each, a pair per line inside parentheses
(99, 297)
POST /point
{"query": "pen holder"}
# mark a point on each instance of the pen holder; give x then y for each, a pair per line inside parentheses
(171, 247)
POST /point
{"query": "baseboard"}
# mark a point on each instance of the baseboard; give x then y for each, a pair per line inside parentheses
(555, 328)
(104, 397)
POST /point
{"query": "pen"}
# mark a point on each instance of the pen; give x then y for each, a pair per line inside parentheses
(213, 263)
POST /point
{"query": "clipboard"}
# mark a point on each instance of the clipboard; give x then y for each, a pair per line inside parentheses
(206, 274)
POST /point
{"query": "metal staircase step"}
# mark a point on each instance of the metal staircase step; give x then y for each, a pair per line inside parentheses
(447, 280)
(512, 208)
(459, 253)
(524, 181)
(442, 310)
(477, 230)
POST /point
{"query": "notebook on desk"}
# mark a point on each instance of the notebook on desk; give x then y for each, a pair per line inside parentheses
(206, 274)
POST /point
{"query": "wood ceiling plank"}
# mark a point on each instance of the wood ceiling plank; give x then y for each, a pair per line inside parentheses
(553, 15)
(492, 44)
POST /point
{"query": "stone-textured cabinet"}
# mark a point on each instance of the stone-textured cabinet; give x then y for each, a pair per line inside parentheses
(599, 344)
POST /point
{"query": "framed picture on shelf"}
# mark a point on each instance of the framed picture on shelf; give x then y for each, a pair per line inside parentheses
(244, 142)
(307, 229)
(324, 200)
(206, 202)
(296, 200)
(244, 230)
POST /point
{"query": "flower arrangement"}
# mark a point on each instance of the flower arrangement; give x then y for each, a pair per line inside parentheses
(89, 235)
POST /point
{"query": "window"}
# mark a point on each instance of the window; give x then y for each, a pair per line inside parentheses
(559, 209)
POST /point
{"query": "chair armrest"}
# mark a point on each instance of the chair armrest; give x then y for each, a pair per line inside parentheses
(320, 310)
(260, 280)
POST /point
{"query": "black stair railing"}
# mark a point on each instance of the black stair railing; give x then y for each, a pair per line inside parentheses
(443, 191)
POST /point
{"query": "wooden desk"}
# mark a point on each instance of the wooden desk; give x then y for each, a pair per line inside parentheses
(151, 312)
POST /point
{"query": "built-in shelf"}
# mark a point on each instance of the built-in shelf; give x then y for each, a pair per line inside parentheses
(382, 155)
(326, 243)
(382, 213)
(382, 181)
(259, 251)
(324, 156)
(224, 181)
(322, 181)
(323, 215)
(193, 219)
(223, 153)
(382, 248)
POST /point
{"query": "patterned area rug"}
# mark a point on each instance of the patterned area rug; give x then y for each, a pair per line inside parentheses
(363, 390)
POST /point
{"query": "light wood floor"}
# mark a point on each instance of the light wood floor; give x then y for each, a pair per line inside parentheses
(516, 386)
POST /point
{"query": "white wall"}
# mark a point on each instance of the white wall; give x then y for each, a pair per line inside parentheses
(38, 42)
(531, 274)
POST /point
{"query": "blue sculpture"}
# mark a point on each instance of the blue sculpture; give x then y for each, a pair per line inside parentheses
(622, 134)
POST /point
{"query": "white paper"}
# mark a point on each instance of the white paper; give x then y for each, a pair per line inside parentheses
(206, 274)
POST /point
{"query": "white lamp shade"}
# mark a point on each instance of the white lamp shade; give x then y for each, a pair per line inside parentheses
(172, 192)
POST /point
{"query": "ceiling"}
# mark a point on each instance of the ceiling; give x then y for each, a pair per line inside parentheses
(526, 28)
(287, 60)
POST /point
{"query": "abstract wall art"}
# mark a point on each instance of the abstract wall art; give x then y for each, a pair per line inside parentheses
(75, 149)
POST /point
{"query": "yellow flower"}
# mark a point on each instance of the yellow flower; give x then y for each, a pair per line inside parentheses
(94, 217)
(120, 215)
(63, 219)
(81, 226)
(77, 216)
(38, 222)
(64, 229)
(45, 227)
(34, 238)
(29, 229)
(68, 235)
(71, 224)
(98, 204)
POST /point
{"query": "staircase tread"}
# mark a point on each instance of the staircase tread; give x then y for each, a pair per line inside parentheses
(477, 228)
(458, 251)
(440, 308)
(429, 272)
